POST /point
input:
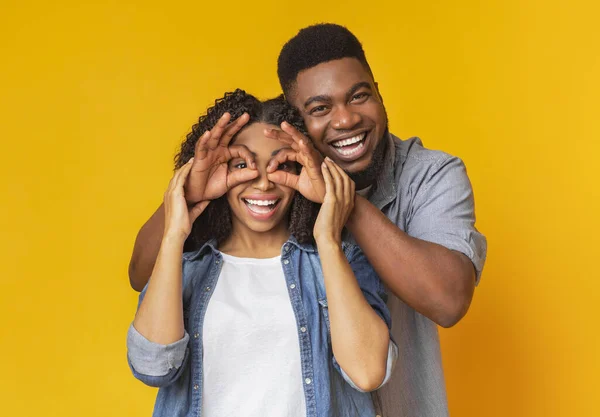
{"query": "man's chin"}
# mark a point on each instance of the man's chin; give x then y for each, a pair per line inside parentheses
(353, 167)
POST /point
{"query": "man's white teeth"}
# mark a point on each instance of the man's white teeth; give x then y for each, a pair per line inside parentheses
(348, 152)
(350, 141)
(261, 202)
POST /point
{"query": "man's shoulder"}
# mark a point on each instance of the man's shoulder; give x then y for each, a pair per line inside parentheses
(413, 160)
(412, 152)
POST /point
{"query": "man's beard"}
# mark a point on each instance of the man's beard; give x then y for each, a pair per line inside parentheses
(369, 175)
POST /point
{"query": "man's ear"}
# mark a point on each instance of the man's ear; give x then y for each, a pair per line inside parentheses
(378, 93)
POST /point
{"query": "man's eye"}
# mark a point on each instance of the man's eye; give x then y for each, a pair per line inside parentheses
(318, 109)
(359, 96)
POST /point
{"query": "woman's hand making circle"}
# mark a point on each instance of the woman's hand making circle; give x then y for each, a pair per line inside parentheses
(179, 216)
(210, 177)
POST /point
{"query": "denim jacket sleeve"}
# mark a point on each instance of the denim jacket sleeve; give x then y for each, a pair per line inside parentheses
(375, 294)
(152, 363)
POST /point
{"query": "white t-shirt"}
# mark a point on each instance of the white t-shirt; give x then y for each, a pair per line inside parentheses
(251, 362)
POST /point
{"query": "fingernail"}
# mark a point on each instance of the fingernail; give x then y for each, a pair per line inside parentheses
(328, 159)
(191, 160)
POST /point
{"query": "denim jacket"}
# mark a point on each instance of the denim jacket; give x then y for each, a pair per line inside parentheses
(329, 392)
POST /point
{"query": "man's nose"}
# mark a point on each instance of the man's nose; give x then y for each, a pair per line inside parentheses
(345, 119)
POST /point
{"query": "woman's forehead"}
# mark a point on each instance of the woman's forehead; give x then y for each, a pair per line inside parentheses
(253, 137)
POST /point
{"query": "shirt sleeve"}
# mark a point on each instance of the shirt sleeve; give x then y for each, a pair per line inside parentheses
(376, 295)
(152, 363)
(443, 211)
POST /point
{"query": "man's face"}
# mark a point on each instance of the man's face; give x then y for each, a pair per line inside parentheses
(343, 112)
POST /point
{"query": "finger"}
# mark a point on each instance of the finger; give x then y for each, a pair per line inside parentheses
(311, 159)
(329, 190)
(217, 130)
(279, 135)
(241, 151)
(197, 210)
(282, 137)
(172, 183)
(233, 128)
(182, 174)
(284, 155)
(285, 178)
(337, 179)
(200, 150)
(293, 132)
(240, 176)
(347, 183)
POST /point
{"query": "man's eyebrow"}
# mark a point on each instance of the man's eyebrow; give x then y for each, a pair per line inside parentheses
(316, 98)
(356, 87)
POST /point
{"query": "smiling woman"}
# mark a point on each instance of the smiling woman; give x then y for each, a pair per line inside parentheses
(270, 315)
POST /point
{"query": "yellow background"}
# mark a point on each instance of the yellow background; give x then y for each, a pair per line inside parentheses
(95, 98)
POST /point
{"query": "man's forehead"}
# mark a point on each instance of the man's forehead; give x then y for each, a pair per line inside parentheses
(330, 78)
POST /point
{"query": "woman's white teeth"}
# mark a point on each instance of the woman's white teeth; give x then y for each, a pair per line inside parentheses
(351, 141)
(261, 202)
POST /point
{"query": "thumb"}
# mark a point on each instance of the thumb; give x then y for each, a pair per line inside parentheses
(284, 178)
(197, 210)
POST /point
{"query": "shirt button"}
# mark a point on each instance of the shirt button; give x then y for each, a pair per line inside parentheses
(286, 261)
(293, 286)
(303, 329)
(196, 386)
(308, 381)
(196, 335)
(207, 289)
(217, 262)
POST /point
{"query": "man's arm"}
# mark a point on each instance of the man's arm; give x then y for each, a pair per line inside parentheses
(435, 281)
(145, 249)
(426, 266)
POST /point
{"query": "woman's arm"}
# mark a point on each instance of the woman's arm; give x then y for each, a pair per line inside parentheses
(359, 336)
(157, 339)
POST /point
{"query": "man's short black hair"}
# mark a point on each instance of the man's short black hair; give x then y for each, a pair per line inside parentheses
(314, 45)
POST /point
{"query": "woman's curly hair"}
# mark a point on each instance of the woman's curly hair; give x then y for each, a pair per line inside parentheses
(215, 221)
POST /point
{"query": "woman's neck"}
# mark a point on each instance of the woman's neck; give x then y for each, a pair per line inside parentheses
(247, 243)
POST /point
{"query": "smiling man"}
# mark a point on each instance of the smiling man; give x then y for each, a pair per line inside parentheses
(414, 218)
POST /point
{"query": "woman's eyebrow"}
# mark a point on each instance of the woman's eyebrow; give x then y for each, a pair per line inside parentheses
(276, 151)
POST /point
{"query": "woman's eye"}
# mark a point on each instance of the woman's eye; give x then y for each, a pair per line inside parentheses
(240, 165)
(285, 166)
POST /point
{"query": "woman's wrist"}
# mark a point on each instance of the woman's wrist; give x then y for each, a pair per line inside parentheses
(328, 243)
(173, 238)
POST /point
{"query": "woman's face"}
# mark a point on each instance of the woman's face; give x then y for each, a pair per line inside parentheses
(260, 204)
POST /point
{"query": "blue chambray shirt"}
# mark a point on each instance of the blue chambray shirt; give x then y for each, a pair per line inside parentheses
(329, 392)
